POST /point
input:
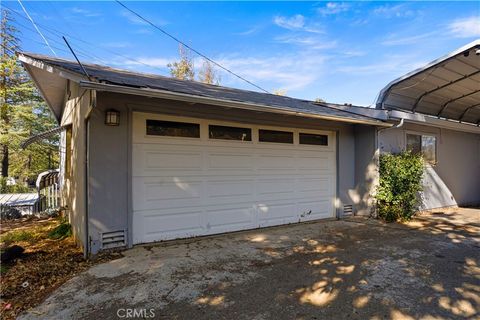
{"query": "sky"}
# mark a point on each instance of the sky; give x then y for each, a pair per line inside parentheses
(341, 52)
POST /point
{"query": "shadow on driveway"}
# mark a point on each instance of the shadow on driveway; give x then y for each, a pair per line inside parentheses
(350, 269)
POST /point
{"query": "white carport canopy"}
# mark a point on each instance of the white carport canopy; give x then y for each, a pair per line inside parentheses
(447, 88)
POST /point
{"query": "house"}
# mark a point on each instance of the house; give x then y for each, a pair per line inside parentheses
(148, 158)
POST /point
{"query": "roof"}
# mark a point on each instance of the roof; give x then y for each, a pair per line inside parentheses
(47, 178)
(106, 75)
(18, 199)
(448, 87)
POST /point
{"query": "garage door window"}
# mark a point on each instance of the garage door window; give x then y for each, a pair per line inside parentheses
(275, 136)
(173, 129)
(314, 139)
(229, 133)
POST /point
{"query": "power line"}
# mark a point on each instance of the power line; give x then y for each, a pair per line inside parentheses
(189, 47)
(59, 34)
(39, 32)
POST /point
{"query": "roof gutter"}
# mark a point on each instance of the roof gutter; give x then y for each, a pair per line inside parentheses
(164, 94)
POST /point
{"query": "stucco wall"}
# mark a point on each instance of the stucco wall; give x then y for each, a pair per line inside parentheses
(74, 178)
(109, 154)
(455, 179)
(366, 168)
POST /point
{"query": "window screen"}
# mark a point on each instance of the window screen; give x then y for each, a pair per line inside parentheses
(424, 144)
(314, 139)
(229, 133)
(173, 129)
(275, 136)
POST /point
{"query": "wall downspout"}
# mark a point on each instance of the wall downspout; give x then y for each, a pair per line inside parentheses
(92, 104)
(86, 252)
(377, 154)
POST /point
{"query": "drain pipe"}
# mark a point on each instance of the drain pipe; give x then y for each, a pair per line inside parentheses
(399, 125)
(377, 157)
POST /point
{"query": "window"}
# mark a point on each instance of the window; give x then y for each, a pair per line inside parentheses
(275, 136)
(424, 144)
(173, 129)
(314, 139)
(229, 133)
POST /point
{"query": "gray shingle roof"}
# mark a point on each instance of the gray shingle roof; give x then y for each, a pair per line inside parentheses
(141, 80)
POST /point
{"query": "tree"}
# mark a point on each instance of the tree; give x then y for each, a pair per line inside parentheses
(319, 100)
(280, 92)
(183, 69)
(23, 113)
(208, 74)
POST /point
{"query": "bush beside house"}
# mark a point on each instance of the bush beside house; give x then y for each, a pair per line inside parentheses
(400, 184)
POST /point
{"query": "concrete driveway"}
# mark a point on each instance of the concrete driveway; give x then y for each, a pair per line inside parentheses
(350, 269)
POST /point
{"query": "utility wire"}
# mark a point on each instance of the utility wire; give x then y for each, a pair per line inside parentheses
(59, 34)
(38, 30)
(189, 47)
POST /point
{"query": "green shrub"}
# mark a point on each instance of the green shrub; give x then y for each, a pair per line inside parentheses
(400, 183)
(61, 231)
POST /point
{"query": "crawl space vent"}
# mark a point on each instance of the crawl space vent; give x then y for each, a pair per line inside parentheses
(348, 210)
(113, 239)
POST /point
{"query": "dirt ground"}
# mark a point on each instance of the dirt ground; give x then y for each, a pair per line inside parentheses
(350, 269)
(45, 264)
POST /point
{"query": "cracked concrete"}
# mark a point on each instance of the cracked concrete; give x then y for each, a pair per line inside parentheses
(357, 269)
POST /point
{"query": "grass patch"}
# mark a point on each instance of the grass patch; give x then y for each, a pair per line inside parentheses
(17, 236)
(62, 231)
(3, 268)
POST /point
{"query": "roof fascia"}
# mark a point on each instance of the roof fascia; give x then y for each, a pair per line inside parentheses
(418, 118)
(25, 59)
(156, 93)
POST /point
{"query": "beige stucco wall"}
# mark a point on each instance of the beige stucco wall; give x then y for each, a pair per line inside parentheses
(76, 108)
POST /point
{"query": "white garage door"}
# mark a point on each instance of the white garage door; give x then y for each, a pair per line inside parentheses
(196, 177)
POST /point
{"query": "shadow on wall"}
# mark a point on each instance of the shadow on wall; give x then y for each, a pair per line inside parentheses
(436, 193)
(375, 272)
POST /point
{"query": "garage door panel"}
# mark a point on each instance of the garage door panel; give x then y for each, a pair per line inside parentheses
(318, 163)
(230, 161)
(314, 209)
(157, 225)
(271, 162)
(229, 191)
(275, 189)
(148, 160)
(229, 219)
(171, 192)
(271, 214)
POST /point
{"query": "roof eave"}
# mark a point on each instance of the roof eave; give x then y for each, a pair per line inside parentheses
(157, 93)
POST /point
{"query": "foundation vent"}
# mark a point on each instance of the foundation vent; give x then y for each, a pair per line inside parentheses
(348, 210)
(113, 239)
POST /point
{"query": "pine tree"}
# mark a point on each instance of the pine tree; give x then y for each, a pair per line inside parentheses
(23, 113)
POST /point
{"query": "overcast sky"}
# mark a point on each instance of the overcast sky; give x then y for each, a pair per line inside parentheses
(337, 51)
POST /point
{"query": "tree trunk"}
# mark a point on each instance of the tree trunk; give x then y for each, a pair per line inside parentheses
(5, 162)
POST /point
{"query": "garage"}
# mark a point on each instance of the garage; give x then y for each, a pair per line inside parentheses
(193, 177)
